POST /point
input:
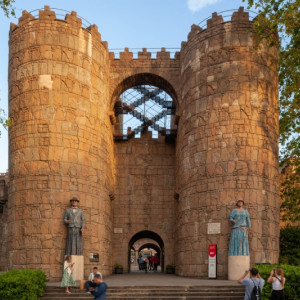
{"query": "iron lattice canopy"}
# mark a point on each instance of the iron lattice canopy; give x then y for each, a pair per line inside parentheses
(142, 108)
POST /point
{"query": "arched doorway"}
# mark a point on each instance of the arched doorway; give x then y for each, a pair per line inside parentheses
(157, 245)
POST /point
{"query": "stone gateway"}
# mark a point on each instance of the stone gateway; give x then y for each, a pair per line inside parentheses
(65, 140)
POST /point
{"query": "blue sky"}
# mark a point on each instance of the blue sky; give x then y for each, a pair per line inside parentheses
(122, 23)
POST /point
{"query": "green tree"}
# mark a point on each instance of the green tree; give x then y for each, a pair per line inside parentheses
(8, 9)
(283, 17)
(6, 6)
(3, 121)
(289, 246)
(290, 193)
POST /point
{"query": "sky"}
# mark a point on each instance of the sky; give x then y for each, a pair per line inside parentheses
(122, 23)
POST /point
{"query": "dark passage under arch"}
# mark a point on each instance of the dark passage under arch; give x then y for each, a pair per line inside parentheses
(147, 234)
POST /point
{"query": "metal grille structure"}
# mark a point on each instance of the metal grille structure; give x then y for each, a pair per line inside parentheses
(145, 107)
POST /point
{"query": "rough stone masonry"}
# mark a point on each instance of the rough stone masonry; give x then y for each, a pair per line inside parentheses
(63, 84)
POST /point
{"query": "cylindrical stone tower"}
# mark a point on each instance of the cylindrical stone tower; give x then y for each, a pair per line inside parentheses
(61, 142)
(227, 145)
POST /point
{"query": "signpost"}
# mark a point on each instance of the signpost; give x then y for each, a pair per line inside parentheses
(212, 261)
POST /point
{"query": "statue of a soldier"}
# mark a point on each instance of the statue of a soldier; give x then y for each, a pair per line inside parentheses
(74, 219)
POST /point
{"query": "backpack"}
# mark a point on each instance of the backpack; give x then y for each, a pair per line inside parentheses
(256, 293)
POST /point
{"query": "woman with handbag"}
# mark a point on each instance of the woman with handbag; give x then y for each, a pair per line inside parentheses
(277, 279)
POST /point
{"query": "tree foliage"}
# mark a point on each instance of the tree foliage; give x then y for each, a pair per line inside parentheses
(3, 121)
(289, 246)
(290, 193)
(283, 17)
(8, 9)
(6, 6)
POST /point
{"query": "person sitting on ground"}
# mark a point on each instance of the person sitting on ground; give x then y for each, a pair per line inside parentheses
(90, 282)
(277, 279)
(100, 290)
(249, 283)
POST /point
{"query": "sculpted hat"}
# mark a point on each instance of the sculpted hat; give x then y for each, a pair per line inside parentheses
(74, 199)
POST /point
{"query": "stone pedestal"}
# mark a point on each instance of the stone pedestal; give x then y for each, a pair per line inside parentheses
(78, 270)
(237, 265)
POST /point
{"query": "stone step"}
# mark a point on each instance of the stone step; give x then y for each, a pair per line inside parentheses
(151, 293)
(168, 288)
(136, 297)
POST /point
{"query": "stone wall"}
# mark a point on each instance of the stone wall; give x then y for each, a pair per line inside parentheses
(145, 176)
(63, 84)
(227, 146)
(60, 140)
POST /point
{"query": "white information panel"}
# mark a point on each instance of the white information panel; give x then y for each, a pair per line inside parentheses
(213, 228)
(212, 261)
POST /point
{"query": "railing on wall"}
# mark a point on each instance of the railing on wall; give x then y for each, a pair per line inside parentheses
(61, 15)
(227, 16)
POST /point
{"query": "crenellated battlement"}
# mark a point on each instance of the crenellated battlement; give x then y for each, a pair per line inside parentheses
(236, 19)
(76, 22)
(48, 15)
(144, 54)
(239, 15)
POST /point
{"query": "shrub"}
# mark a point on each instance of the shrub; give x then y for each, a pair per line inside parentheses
(289, 246)
(22, 284)
(291, 287)
(118, 266)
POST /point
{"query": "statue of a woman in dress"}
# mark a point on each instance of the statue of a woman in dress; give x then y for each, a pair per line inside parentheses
(238, 245)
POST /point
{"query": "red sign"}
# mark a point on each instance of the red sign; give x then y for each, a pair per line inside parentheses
(212, 250)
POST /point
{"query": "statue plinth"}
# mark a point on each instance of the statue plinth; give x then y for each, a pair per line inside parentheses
(78, 270)
(237, 265)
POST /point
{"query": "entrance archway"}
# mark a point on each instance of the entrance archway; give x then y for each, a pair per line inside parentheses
(146, 234)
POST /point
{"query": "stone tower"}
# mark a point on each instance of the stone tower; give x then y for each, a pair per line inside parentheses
(227, 142)
(63, 84)
(61, 143)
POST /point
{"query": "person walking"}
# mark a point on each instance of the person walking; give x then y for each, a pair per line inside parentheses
(68, 279)
(141, 262)
(278, 280)
(156, 262)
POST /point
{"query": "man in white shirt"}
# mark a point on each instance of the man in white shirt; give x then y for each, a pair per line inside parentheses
(90, 282)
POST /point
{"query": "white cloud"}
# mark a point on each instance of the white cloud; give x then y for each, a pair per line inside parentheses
(195, 5)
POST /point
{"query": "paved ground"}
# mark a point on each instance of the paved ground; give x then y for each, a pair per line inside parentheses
(139, 278)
